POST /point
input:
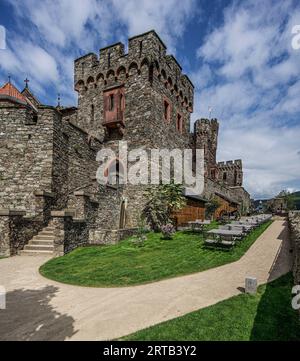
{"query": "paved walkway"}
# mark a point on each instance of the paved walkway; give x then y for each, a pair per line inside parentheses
(40, 309)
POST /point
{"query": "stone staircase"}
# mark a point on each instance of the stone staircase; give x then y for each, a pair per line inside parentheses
(41, 244)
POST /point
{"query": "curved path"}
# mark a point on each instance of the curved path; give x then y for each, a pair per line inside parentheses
(40, 309)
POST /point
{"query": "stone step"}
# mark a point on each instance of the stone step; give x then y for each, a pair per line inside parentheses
(44, 237)
(48, 228)
(35, 253)
(38, 247)
(47, 233)
(40, 241)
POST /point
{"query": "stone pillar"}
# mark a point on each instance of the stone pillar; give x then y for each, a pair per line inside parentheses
(81, 204)
(4, 235)
(43, 204)
(9, 238)
(58, 222)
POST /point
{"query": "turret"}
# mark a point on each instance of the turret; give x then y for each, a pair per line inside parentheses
(110, 86)
(206, 137)
(231, 172)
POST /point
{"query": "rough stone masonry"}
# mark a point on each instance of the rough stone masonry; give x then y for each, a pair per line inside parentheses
(48, 154)
(294, 221)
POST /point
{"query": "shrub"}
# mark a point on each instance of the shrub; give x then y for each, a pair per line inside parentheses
(168, 230)
(141, 235)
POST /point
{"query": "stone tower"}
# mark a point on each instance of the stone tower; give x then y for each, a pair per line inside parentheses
(140, 97)
(206, 137)
(231, 173)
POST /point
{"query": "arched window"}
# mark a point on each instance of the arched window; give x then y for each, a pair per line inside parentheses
(167, 111)
(151, 69)
(179, 123)
(224, 176)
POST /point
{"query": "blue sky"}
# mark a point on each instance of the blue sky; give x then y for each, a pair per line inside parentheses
(237, 53)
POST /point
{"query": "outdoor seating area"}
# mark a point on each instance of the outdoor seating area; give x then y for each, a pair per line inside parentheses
(227, 236)
(198, 225)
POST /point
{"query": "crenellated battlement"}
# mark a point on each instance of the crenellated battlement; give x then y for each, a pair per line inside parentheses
(146, 53)
(109, 55)
(231, 172)
(237, 163)
(206, 125)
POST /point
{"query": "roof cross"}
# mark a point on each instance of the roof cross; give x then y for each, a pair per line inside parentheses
(26, 81)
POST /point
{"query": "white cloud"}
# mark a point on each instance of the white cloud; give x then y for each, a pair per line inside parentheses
(62, 30)
(271, 158)
(253, 64)
(27, 59)
(168, 17)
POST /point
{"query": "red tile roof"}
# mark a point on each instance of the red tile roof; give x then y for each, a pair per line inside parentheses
(11, 91)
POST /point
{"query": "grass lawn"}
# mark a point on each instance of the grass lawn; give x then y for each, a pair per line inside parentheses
(268, 315)
(126, 264)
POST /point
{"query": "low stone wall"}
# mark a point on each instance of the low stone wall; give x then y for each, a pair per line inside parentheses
(109, 236)
(69, 233)
(294, 221)
(16, 230)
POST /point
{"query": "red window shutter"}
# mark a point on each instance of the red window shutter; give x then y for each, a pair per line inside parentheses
(106, 103)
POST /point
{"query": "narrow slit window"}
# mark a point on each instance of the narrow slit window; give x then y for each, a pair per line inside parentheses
(111, 102)
(166, 111)
(179, 123)
(92, 112)
(141, 48)
(108, 60)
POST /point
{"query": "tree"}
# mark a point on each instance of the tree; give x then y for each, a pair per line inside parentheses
(162, 202)
(211, 206)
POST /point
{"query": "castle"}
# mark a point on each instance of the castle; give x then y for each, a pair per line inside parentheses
(48, 154)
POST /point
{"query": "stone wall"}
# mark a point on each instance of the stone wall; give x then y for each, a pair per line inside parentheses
(26, 156)
(294, 221)
(16, 230)
(108, 236)
(68, 233)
